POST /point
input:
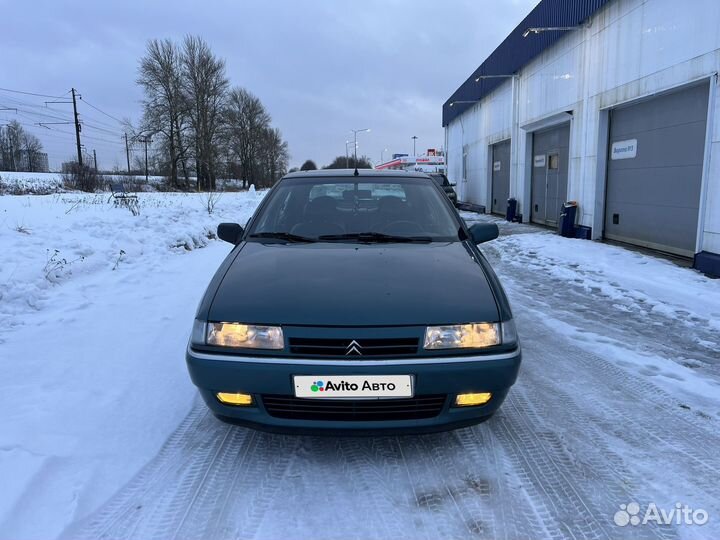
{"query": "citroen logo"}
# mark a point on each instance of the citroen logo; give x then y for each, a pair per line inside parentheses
(353, 348)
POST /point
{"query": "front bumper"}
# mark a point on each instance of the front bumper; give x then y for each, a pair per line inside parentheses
(259, 376)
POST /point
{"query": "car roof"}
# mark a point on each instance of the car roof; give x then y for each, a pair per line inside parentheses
(350, 173)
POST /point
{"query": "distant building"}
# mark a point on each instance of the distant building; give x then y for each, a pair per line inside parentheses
(33, 162)
(432, 161)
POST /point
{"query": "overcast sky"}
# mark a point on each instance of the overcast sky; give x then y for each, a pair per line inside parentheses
(320, 68)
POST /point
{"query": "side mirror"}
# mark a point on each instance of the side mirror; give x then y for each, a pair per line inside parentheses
(453, 185)
(230, 232)
(483, 232)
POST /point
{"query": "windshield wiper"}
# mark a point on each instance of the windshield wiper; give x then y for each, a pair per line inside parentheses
(375, 237)
(283, 236)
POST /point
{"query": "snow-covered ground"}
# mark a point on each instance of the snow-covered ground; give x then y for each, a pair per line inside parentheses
(101, 434)
(95, 307)
(42, 183)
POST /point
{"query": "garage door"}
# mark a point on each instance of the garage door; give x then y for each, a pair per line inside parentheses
(500, 177)
(551, 149)
(655, 171)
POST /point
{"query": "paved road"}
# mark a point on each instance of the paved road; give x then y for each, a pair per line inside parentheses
(578, 436)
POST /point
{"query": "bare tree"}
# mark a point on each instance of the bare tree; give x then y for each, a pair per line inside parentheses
(165, 106)
(309, 165)
(342, 162)
(19, 150)
(192, 116)
(247, 122)
(205, 86)
(33, 148)
(273, 157)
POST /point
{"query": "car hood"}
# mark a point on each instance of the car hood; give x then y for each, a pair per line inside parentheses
(330, 284)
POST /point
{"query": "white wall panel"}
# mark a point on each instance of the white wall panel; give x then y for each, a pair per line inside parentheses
(631, 50)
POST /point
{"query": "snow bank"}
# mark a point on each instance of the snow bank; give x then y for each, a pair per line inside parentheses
(22, 182)
(95, 309)
(627, 277)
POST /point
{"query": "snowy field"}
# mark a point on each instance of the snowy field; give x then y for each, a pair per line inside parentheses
(35, 182)
(102, 435)
(42, 183)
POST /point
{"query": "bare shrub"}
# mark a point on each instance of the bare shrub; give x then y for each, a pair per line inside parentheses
(166, 184)
(58, 267)
(133, 184)
(22, 229)
(209, 200)
(83, 178)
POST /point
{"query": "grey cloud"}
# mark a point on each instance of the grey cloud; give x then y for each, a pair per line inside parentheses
(321, 68)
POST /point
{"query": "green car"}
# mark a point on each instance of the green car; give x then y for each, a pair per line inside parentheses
(327, 315)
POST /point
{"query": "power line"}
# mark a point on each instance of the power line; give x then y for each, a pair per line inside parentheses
(33, 93)
(53, 131)
(47, 117)
(44, 111)
(86, 123)
(101, 111)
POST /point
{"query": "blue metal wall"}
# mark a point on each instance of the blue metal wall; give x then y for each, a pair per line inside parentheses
(517, 51)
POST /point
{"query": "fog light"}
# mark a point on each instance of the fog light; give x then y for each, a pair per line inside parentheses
(468, 400)
(234, 398)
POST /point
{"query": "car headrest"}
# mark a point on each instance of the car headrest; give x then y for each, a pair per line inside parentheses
(392, 204)
(321, 206)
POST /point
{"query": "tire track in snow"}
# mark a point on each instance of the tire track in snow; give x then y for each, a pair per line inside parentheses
(480, 447)
(240, 489)
(125, 509)
(635, 401)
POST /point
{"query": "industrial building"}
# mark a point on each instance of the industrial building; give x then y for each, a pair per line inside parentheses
(610, 103)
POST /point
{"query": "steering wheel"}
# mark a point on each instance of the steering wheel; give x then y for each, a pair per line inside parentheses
(402, 227)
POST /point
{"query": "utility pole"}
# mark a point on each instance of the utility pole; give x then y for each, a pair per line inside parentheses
(127, 153)
(95, 160)
(78, 129)
(146, 140)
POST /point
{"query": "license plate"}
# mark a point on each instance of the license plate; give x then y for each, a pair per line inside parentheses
(353, 386)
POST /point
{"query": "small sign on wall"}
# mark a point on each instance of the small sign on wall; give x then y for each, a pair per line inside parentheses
(539, 160)
(497, 166)
(624, 149)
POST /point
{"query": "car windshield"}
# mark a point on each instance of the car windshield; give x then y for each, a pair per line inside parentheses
(355, 210)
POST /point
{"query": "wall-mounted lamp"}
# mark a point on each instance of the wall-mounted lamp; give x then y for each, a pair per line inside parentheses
(539, 29)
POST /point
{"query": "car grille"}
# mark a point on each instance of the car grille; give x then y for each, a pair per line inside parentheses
(357, 410)
(349, 348)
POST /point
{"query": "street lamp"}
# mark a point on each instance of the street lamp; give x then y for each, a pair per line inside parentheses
(355, 132)
(414, 138)
(347, 158)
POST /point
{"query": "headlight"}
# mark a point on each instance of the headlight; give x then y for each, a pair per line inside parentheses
(470, 336)
(237, 335)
